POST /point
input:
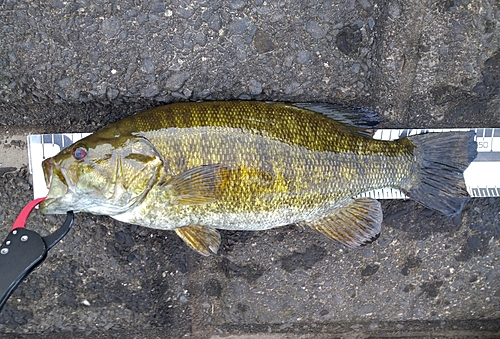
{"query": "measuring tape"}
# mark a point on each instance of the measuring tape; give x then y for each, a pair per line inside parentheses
(482, 177)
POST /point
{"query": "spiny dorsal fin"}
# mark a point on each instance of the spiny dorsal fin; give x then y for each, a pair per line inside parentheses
(354, 224)
(202, 239)
(362, 119)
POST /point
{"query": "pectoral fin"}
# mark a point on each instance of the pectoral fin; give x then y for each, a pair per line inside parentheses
(199, 185)
(202, 239)
(354, 224)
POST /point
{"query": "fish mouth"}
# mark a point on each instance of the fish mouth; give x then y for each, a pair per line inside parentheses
(56, 201)
(48, 169)
(56, 181)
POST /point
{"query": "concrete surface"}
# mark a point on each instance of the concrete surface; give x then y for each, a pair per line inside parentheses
(79, 65)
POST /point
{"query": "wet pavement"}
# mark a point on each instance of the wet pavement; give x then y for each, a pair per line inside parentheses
(77, 66)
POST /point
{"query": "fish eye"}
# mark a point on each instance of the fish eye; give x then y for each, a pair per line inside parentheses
(79, 153)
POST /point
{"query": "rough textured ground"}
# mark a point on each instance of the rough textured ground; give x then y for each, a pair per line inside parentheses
(79, 65)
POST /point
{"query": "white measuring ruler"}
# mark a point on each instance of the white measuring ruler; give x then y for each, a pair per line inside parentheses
(482, 177)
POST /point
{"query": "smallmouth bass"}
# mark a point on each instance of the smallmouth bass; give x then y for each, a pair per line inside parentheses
(242, 165)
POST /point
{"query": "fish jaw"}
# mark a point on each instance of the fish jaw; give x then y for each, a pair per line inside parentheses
(59, 197)
(66, 194)
(57, 205)
(56, 178)
(48, 169)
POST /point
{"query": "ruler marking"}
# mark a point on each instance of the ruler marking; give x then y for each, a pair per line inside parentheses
(491, 141)
(43, 147)
(487, 156)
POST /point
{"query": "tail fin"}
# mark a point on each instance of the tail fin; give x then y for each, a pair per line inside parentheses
(441, 160)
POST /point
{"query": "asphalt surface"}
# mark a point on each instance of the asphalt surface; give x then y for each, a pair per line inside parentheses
(75, 66)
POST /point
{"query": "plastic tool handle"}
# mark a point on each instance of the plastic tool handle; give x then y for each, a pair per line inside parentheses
(23, 250)
(20, 253)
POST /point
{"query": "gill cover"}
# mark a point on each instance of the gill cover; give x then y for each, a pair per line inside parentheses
(138, 166)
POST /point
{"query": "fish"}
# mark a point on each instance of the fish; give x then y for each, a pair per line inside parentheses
(196, 167)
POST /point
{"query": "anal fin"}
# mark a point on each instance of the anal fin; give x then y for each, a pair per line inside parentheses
(202, 239)
(354, 224)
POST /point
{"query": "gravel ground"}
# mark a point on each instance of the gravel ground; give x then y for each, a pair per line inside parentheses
(79, 65)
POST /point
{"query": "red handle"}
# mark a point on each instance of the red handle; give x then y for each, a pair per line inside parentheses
(23, 216)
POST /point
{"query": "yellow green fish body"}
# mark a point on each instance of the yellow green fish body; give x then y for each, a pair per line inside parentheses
(239, 165)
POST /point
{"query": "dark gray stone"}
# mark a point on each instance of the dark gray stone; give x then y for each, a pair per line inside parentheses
(349, 39)
(315, 30)
(150, 91)
(158, 7)
(64, 82)
(365, 4)
(255, 87)
(112, 93)
(263, 42)
(148, 66)
(303, 57)
(237, 4)
(238, 26)
(185, 13)
(176, 81)
(215, 22)
(111, 26)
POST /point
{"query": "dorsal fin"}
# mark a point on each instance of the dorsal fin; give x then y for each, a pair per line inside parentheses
(362, 120)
